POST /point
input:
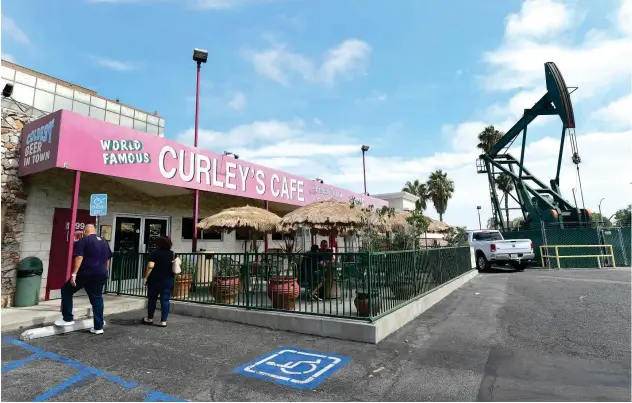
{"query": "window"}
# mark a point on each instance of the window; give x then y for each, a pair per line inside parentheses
(113, 107)
(127, 122)
(81, 108)
(127, 111)
(82, 97)
(62, 102)
(97, 113)
(44, 100)
(45, 85)
(98, 102)
(187, 231)
(279, 236)
(25, 78)
(64, 92)
(487, 236)
(23, 93)
(242, 234)
(140, 126)
(152, 129)
(8, 73)
(112, 117)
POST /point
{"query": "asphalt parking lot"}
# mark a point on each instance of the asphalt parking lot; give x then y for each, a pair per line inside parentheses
(505, 336)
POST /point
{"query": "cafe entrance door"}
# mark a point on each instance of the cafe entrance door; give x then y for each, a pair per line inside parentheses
(134, 239)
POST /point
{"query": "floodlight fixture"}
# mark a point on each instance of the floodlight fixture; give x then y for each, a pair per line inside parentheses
(200, 55)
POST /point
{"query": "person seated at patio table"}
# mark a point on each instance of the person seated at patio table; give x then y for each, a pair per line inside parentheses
(309, 270)
(326, 253)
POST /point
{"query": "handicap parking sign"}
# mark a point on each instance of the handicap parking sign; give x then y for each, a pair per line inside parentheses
(297, 368)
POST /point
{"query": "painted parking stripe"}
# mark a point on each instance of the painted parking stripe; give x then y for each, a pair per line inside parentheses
(81, 375)
(10, 366)
(85, 372)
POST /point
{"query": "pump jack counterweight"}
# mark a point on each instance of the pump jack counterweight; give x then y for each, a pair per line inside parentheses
(539, 203)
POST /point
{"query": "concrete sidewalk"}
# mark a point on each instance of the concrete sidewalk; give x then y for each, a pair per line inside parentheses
(49, 311)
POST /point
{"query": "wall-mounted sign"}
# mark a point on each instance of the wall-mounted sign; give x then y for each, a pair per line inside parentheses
(91, 145)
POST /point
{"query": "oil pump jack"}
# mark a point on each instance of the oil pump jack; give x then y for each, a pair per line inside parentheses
(538, 202)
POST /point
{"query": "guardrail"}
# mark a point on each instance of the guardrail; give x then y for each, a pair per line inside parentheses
(362, 285)
(544, 254)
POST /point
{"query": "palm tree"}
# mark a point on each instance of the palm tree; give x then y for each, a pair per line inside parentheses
(488, 137)
(440, 189)
(505, 183)
(420, 190)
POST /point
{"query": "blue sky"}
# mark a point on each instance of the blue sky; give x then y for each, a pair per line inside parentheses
(299, 85)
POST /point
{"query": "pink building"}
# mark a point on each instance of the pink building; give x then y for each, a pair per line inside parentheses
(65, 157)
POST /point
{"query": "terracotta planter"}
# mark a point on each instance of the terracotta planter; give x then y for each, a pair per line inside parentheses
(361, 303)
(283, 291)
(332, 289)
(224, 289)
(181, 286)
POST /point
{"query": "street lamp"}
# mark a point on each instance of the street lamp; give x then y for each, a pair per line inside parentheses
(600, 215)
(199, 56)
(364, 149)
(233, 154)
(478, 208)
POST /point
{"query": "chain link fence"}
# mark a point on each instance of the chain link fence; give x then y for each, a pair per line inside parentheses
(577, 239)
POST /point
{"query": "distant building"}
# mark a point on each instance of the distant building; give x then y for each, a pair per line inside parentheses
(402, 201)
(37, 94)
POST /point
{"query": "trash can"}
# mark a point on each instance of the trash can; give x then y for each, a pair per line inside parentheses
(29, 280)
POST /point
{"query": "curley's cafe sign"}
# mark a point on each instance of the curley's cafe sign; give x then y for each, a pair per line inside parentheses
(91, 145)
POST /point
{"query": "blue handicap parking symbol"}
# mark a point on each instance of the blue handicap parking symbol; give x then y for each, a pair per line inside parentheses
(294, 367)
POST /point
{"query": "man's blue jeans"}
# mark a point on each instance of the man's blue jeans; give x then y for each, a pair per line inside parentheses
(162, 288)
(94, 289)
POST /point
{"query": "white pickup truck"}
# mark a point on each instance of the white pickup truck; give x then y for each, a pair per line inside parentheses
(491, 248)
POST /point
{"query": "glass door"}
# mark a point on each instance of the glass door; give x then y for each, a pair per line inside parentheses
(153, 229)
(127, 261)
(134, 240)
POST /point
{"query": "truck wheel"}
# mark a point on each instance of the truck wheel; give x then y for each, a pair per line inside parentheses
(481, 263)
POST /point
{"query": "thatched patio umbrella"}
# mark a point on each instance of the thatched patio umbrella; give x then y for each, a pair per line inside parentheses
(437, 226)
(328, 216)
(396, 222)
(254, 219)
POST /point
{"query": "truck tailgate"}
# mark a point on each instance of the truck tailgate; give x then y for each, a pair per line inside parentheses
(513, 246)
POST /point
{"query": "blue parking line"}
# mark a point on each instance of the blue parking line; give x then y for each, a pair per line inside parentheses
(153, 396)
(10, 366)
(64, 385)
(85, 372)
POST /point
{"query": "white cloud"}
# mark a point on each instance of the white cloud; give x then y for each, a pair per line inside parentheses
(13, 31)
(280, 64)
(238, 102)
(618, 113)
(116, 65)
(538, 18)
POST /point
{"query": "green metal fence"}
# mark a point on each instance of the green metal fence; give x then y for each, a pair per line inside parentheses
(360, 285)
(578, 234)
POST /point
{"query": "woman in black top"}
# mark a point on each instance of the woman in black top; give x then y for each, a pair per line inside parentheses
(159, 279)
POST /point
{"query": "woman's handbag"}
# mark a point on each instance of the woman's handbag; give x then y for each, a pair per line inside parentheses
(175, 265)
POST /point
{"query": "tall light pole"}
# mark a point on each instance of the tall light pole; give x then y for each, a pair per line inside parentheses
(478, 208)
(364, 149)
(600, 215)
(199, 56)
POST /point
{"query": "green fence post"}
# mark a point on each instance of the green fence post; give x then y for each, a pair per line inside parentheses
(369, 288)
(118, 274)
(247, 280)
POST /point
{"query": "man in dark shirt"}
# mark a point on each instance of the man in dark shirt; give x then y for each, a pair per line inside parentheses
(91, 259)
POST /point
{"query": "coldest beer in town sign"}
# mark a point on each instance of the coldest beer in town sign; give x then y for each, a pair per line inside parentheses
(90, 145)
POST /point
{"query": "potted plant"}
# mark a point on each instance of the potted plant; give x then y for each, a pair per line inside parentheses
(183, 280)
(283, 289)
(364, 305)
(225, 284)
